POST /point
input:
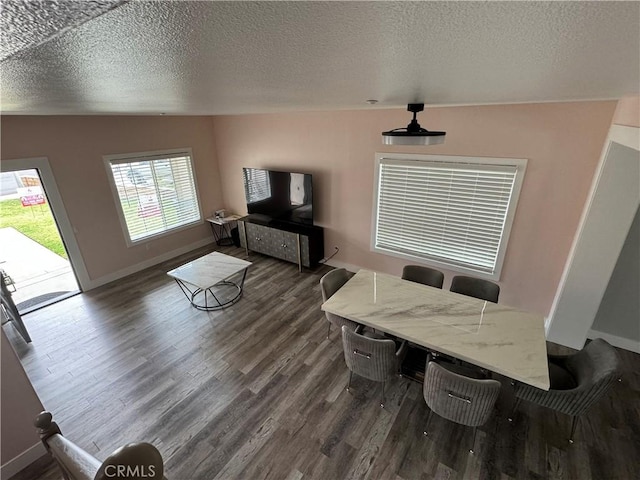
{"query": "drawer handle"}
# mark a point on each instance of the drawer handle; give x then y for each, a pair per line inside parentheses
(284, 245)
(258, 239)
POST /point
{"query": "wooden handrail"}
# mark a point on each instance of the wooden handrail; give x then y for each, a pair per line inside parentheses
(134, 461)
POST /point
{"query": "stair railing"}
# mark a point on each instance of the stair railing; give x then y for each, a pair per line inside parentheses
(134, 461)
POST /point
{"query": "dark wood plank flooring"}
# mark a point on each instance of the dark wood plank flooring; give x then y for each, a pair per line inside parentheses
(257, 391)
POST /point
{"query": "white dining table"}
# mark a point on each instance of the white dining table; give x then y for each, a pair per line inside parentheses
(493, 336)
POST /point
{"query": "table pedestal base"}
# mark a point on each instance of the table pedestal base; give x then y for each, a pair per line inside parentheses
(198, 297)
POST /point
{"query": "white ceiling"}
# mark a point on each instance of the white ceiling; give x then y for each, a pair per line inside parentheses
(146, 57)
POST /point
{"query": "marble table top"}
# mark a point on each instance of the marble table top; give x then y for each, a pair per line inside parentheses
(205, 272)
(493, 336)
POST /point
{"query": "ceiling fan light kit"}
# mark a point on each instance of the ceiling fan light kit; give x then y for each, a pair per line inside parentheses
(413, 134)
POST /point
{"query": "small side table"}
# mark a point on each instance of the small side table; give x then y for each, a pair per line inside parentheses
(221, 228)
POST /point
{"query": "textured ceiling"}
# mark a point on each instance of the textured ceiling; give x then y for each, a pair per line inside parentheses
(240, 57)
(27, 23)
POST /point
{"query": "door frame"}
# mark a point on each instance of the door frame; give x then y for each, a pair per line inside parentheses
(58, 210)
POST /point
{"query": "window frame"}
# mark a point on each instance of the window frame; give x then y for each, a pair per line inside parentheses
(126, 158)
(408, 158)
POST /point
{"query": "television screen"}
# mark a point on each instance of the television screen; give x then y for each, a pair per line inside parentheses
(282, 196)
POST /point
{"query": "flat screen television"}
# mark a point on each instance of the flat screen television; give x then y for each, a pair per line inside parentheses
(281, 196)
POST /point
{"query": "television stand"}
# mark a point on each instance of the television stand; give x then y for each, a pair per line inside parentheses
(300, 244)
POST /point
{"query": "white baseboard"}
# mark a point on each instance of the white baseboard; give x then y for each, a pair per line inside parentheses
(146, 264)
(22, 461)
(621, 342)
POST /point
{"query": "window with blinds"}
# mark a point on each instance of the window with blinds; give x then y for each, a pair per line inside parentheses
(452, 211)
(155, 192)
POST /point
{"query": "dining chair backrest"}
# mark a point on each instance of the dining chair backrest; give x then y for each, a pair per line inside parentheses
(577, 381)
(425, 275)
(595, 368)
(330, 283)
(475, 287)
(461, 399)
(371, 358)
(597, 363)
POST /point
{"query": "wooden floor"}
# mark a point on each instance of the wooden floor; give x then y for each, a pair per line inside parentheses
(257, 391)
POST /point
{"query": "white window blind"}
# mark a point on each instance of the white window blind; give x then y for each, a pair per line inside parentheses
(156, 193)
(450, 212)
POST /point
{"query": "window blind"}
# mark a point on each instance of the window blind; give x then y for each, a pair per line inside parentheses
(453, 213)
(156, 195)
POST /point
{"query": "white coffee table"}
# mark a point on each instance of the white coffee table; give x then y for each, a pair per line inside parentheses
(212, 282)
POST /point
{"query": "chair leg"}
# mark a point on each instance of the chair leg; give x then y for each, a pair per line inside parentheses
(473, 439)
(349, 382)
(426, 428)
(513, 410)
(382, 399)
(574, 424)
(328, 330)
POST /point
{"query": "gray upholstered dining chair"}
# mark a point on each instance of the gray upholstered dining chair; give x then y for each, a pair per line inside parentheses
(475, 287)
(577, 381)
(373, 358)
(424, 275)
(330, 283)
(459, 394)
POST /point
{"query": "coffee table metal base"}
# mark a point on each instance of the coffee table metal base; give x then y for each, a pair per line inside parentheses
(191, 294)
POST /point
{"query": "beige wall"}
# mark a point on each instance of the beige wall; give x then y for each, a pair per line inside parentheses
(75, 146)
(562, 142)
(628, 112)
(20, 406)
